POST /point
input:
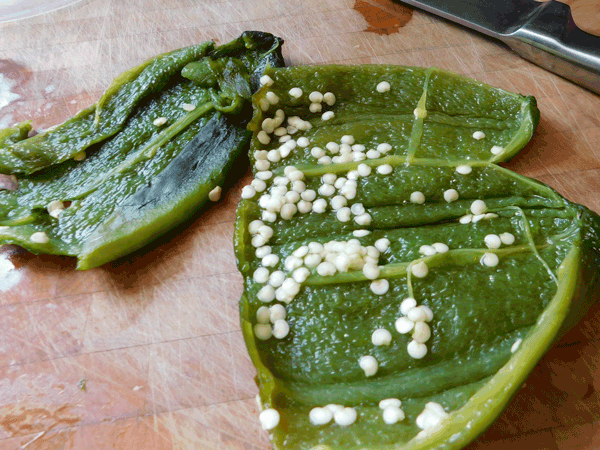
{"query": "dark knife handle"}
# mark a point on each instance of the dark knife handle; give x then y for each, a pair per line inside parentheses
(550, 39)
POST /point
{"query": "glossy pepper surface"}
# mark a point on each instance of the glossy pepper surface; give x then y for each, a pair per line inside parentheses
(140, 160)
(493, 316)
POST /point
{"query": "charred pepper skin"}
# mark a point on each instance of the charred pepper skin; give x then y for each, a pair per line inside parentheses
(491, 322)
(136, 163)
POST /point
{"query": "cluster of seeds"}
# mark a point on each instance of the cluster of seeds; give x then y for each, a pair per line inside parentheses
(55, 208)
(432, 415)
(415, 319)
(348, 151)
(479, 210)
(430, 250)
(493, 241)
(341, 415)
(391, 410)
(271, 322)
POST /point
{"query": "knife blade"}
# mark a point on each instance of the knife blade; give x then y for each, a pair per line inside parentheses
(541, 32)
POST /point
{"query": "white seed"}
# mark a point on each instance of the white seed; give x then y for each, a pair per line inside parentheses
(39, 237)
(492, 241)
(254, 226)
(382, 244)
(422, 332)
(363, 219)
(270, 261)
(268, 125)
(451, 195)
(320, 416)
(478, 135)
(371, 271)
(269, 419)
(490, 259)
(290, 286)
(329, 98)
(416, 350)
(383, 86)
(215, 194)
(507, 238)
(281, 329)
(328, 115)
(299, 186)
(358, 156)
(261, 275)
(343, 214)
(427, 250)
(309, 195)
(160, 121)
(288, 211)
(315, 97)
(272, 98)
(466, 219)
(301, 251)
(317, 152)
(338, 202)
(347, 139)
(464, 169)
(263, 104)
(428, 312)
(248, 192)
(384, 147)
(380, 287)
(263, 315)
(266, 294)
(357, 209)
(417, 197)
(277, 278)
(440, 247)
(264, 175)
(312, 260)
(496, 150)
(315, 247)
(261, 252)
(55, 208)
(516, 345)
(390, 402)
(373, 154)
(319, 205)
(333, 147)
(302, 142)
(385, 169)
(301, 274)
(420, 113)
(360, 233)
(263, 331)
(417, 314)
(478, 217)
(281, 131)
(295, 92)
(478, 207)
(266, 80)
(304, 207)
(369, 365)
(345, 417)
(392, 415)
(259, 185)
(407, 304)
(381, 336)
(419, 270)
(292, 197)
(326, 269)
(404, 325)
(489, 216)
(188, 107)
(325, 160)
(262, 165)
(263, 137)
(363, 170)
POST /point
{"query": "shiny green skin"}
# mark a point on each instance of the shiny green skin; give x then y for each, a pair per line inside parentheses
(541, 286)
(138, 180)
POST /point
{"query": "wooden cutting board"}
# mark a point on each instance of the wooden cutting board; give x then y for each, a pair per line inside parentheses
(146, 353)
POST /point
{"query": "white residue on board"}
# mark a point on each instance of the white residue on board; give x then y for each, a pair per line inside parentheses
(6, 94)
(8, 275)
(6, 121)
(49, 88)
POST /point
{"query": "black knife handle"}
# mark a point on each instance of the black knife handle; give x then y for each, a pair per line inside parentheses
(551, 40)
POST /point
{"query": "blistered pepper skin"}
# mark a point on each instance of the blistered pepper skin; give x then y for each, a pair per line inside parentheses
(139, 161)
(492, 320)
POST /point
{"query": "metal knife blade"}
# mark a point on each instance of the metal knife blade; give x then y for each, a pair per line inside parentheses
(541, 32)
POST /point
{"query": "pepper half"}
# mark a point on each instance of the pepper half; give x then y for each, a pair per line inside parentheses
(417, 269)
(139, 161)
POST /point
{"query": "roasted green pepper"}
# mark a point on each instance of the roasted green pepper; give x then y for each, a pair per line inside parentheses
(139, 161)
(399, 284)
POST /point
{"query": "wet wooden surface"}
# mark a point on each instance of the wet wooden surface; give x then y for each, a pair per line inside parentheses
(146, 353)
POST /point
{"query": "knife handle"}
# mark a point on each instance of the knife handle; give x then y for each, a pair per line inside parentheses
(550, 39)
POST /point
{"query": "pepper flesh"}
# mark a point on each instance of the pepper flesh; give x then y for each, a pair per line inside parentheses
(138, 179)
(540, 287)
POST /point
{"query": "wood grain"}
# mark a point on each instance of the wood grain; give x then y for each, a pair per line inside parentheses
(146, 352)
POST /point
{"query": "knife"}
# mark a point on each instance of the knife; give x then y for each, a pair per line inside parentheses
(541, 32)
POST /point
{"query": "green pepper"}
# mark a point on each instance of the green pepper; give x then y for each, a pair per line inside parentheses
(498, 265)
(141, 160)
